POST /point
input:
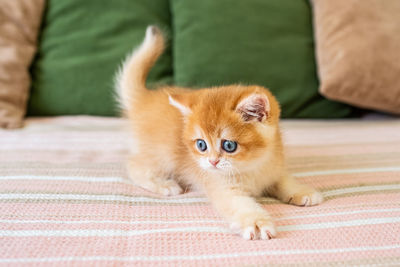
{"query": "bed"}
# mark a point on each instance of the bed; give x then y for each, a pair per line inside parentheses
(65, 199)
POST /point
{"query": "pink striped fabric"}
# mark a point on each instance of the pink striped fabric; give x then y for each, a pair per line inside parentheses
(65, 200)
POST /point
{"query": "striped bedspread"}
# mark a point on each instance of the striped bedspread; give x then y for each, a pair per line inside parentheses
(65, 200)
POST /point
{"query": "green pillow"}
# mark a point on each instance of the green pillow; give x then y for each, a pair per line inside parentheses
(81, 47)
(265, 42)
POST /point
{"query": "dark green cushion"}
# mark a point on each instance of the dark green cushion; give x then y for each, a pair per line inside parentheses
(81, 46)
(265, 42)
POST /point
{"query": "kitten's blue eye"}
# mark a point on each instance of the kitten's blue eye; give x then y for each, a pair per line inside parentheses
(201, 145)
(229, 146)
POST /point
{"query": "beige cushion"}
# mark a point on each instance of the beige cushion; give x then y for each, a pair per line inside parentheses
(358, 52)
(19, 26)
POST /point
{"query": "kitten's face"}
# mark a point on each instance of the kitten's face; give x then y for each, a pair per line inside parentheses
(227, 131)
(224, 148)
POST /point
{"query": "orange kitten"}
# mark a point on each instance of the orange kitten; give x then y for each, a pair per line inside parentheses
(223, 140)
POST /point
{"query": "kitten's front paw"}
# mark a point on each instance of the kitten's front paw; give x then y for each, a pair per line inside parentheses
(168, 187)
(306, 198)
(260, 228)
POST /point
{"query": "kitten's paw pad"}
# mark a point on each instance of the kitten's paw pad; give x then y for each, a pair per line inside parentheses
(306, 199)
(262, 229)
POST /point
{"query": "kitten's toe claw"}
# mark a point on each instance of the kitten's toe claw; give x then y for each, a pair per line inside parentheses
(262, 229)
(267, 232)
(313, 199)
(305, 200)
(249, 233)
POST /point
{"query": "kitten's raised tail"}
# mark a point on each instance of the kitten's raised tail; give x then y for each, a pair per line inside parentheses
(131, 79)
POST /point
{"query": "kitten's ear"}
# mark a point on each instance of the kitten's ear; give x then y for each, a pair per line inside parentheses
(181, 103)
(255, 107)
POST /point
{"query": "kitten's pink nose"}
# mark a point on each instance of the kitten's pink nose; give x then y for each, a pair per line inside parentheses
(214, 162)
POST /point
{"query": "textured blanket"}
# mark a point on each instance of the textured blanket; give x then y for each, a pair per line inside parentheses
(65, 200)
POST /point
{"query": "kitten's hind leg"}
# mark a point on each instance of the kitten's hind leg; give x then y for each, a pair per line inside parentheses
(150, 177)
(290, 191)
